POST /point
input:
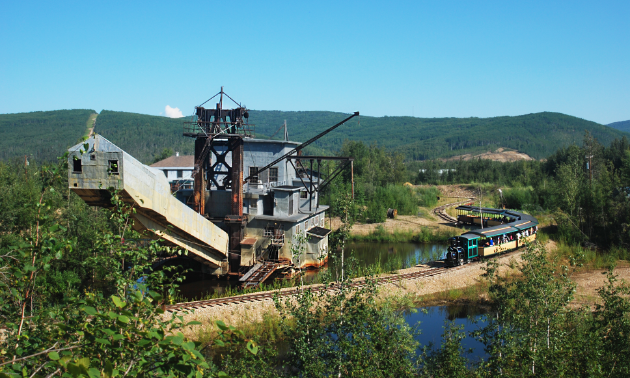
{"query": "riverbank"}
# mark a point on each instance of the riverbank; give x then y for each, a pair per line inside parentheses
(404, 293)
(462, 286)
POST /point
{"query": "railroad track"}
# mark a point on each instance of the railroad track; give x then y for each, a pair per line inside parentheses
(256, 297)
(439, 211)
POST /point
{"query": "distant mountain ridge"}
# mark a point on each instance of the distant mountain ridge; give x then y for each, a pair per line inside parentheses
(538, 134)
(47, 134)
(622, 126)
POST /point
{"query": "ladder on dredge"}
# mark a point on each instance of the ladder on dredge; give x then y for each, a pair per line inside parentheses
(258, 274)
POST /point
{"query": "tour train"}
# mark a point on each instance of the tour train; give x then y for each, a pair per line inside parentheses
(503, 230)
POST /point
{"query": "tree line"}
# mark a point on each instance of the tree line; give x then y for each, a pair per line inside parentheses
(586, 187)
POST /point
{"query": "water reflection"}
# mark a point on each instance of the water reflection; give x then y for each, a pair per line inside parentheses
(433, 321)
(409, 254)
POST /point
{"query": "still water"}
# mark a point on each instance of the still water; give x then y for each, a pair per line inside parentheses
(432, 322)
(387, 255)
(409, 254)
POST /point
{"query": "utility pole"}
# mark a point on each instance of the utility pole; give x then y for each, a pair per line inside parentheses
(480, 211)
(590, 167)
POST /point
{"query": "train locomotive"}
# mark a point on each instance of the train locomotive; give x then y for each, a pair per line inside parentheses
(503, 230)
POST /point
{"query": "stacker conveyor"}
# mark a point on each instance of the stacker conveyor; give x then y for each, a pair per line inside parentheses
(97, 165)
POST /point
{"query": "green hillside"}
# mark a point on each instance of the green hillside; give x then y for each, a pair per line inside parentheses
(538, 135)
(43, 136)
(143, 136)
(46, 135)
(622, 126)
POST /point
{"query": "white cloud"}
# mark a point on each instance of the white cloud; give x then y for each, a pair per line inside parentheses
(173, 112)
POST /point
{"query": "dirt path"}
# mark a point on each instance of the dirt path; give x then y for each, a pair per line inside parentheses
(91, 122)
(414, 223)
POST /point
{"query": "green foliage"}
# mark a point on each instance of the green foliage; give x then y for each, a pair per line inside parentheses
(42, 136)
(526, 334)
(427, 196)
(120, 330)
(520, 173)
(425, 235)
(166, 153)
(377, 176)
(589, 204)
(520, 198)
(344, 332)
(448, 359)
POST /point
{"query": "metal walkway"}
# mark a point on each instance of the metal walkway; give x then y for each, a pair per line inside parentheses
(258, 273)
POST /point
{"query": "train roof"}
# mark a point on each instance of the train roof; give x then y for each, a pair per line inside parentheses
(521, 222)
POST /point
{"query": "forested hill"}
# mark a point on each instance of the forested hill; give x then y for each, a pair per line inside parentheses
(623, 126)
(46, 135)
(144, 136)
(537, 135)
(43, 136)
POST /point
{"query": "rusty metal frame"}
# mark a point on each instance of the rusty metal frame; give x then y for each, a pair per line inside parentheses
(320, 186)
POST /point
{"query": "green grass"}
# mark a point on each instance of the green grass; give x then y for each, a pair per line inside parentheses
(588, 258)
(425, 235)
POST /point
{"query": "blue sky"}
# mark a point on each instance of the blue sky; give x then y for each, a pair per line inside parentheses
(420, 58)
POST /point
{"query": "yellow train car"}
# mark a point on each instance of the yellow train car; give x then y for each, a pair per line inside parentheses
(503, 230)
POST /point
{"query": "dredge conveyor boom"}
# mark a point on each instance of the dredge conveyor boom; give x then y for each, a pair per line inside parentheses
(96, 165)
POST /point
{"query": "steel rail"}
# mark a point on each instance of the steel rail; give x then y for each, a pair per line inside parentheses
(256, 297)
(439, 211)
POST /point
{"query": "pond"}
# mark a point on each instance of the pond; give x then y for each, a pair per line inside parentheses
(409, 254)
(387, 255)
(432, 322)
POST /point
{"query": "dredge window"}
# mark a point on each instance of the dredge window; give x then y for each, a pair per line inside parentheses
(113, 167)
(273, 174)
(253, 176)
(303, 194)
(76, 165)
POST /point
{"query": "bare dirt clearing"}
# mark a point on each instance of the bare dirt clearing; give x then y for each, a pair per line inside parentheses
(414, 223)
(589, 282)
(500, 154)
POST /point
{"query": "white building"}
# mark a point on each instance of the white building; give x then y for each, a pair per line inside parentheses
(177, 169)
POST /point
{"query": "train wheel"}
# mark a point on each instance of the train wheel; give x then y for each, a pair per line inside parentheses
(460, 262)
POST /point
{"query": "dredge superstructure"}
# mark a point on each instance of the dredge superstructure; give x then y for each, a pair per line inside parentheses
(235, 225)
